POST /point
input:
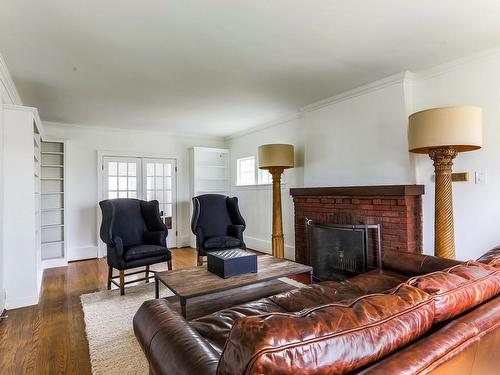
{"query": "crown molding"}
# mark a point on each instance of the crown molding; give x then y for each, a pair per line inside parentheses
(203, 136)
(269, 124)
(358, 91)
(8, 90)
(453, 65)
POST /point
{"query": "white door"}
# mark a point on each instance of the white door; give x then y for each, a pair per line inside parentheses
(146, 179)
(159, 183)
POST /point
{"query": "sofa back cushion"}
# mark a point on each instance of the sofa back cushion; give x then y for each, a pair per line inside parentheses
(333, 338)
(459, 288)
(492, 257)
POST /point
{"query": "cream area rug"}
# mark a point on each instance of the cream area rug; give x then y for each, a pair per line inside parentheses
(108, 318)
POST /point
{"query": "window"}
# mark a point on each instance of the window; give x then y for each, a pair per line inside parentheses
(245, 171)
(265, 177)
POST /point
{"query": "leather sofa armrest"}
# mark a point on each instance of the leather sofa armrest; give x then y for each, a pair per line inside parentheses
(155, 238)
(236, 231)
(170, 344)
(415, 264)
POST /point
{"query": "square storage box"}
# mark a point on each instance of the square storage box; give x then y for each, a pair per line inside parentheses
(230, 263)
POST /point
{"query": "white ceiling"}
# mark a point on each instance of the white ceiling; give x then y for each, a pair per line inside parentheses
(222, 66)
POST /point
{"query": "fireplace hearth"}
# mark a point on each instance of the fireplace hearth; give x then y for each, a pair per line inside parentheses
(340, 251)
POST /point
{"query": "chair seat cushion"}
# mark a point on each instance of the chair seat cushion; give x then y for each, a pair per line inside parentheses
(143, 251)
(221, 242)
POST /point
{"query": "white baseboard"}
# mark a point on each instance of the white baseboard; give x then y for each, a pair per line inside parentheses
(81, 253)
(265, 246)
(2, 300)
(51, 263)
(14, 303)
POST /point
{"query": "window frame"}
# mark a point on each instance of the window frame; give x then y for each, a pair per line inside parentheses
(258, 174)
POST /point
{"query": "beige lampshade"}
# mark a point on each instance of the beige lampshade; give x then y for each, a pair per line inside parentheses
(276, 155)
(461, 127)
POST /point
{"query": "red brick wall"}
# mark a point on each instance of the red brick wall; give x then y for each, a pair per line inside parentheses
(400, 218)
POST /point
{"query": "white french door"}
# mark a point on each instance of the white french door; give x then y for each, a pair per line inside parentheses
(147, 179)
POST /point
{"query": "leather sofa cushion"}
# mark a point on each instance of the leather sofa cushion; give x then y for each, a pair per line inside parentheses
(329, 339)
(215, 327)
(492, 257)
(316, 295)
(221, 242)
(143, 251)
(375, 281)
(459, 288)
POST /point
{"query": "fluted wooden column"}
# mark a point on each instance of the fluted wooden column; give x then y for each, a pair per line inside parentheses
(278, 243)
(444, 235)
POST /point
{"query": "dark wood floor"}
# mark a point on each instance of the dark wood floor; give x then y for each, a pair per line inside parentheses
(50, 338)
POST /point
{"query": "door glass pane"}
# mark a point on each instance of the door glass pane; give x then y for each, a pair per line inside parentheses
(168, 169)
(113, 169)
(159, 169)
(168, 183)
(122, 169)
(122, 183)
(112, 195)
(132, 183)
(150, 167)
(113, 183)
(159, 183)
(122, 194)
(132, 169)
(150, 183)
(132, 194)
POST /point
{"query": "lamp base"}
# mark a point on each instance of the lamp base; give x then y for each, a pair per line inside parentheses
(278, 242)
(444, 235)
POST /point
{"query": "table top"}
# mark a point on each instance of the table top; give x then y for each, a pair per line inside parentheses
(197, 281)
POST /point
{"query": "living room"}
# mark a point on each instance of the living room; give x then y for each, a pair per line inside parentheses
(186, 96)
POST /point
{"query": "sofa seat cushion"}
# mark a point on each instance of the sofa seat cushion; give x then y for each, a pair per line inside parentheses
(143, 251)
(215, 327)
(376, 281)
(221, 242)
(316, 295)
(330, 339)
(459, 288)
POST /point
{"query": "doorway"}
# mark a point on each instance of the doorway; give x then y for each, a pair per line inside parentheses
(146, 179)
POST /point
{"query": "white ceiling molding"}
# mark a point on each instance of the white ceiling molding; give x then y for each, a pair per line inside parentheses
(456, 64)
(358, 91)
(8, 90)
(134, 131)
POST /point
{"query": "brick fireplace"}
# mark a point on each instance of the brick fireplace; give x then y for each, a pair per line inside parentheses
(397, 208)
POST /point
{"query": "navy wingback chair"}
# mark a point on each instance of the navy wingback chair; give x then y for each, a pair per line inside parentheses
(135, 236)
(217, 224)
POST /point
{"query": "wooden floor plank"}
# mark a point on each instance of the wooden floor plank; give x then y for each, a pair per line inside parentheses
(50, 338)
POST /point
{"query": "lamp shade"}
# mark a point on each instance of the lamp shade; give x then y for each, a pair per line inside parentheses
(276, 155)
(460, 127)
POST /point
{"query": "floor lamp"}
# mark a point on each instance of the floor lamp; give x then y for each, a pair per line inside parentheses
(442, 133)
(276, 158)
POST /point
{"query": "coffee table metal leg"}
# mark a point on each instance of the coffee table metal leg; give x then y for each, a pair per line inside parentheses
(310, 277)
(183, 307)
(157, 288)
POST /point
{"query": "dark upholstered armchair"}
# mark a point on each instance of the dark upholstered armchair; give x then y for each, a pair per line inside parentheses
(217, 224)
(135, 236)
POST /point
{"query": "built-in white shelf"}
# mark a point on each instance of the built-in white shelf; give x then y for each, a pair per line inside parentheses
(53, 200)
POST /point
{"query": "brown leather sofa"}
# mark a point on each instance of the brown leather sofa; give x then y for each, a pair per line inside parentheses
(417, 315)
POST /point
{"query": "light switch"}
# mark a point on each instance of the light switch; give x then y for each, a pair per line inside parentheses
(480, 178)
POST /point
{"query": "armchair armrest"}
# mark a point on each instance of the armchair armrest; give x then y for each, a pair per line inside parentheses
(158, 237)
(116, 245)
(236, 231)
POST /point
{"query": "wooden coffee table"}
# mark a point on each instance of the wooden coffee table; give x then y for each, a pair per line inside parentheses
(193, 282)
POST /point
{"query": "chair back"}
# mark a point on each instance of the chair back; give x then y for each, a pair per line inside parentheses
(123, 218)
(212, 214)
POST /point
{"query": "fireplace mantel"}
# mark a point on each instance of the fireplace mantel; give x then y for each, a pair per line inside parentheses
(358, 191)
(397, 208)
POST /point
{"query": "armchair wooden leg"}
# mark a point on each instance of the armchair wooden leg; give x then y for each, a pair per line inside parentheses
(110, 275)
(147, 274)
(169, 264)
(122, 282)
(200, 260)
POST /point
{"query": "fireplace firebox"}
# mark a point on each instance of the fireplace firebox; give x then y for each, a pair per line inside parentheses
(340, 251)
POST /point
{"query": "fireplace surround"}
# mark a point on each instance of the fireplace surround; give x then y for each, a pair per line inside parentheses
(397, 208)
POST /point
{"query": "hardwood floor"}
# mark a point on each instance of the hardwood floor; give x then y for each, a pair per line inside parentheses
(50, 338)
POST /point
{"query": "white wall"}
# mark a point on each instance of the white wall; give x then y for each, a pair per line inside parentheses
(82, 144)
(476, 206)
(360, 138)
(256, 201)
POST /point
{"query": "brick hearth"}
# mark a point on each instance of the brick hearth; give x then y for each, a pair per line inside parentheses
(397, 208)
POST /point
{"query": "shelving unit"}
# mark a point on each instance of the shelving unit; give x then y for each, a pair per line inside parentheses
(209, 173)
(52, 196)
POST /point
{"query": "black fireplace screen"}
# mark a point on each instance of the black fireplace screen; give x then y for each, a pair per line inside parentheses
(337, 252)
